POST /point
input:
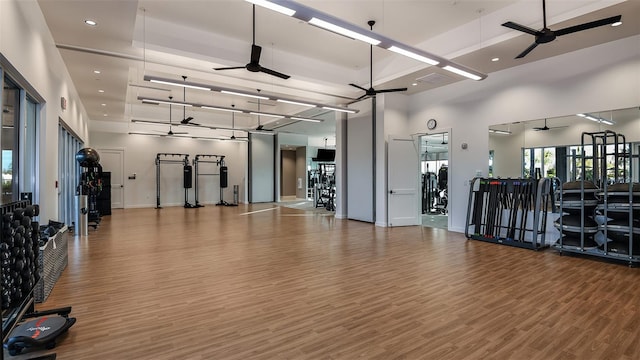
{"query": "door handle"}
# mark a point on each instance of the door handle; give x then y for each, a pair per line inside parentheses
(390, 191)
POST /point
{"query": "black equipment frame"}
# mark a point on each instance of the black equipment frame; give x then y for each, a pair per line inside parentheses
(491, 199)
(168, 158)
(604, 144)
(202, 158)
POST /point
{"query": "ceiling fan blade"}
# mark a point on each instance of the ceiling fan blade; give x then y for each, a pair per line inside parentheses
(514, 26)
(359, 87)
(527, 50)
(390, 90)
(255, 53)
(363, 97)
(229, 68)
(589, 25)
(541, 128)
(186, 120)
(274, 73)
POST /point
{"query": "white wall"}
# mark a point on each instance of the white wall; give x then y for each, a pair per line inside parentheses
(140, 154)
(26, 43)
(601, 77)
(392, 120)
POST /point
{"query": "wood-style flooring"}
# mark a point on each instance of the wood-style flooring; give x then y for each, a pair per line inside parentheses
(223, 283)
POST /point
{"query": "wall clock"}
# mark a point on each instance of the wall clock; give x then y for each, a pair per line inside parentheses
(431, 124)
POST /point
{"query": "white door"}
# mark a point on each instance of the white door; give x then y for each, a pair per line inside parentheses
(403, 182)
(112, 160)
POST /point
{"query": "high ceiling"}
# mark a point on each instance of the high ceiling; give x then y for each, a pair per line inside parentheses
(175, 38)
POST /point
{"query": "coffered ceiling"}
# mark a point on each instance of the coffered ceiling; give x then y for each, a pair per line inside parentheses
(175, 38)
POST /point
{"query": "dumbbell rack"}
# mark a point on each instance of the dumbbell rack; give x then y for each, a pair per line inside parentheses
(509, 211)
(14, 304)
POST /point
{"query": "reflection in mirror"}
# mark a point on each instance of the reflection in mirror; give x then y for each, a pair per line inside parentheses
(434, 150)
(552, 147)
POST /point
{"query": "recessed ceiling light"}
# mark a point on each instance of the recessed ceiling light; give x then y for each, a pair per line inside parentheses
(495, 59)
(617, 23)
(104, 114)
(414, 84)
(96, 71)
(100, 91)
(90, 22)
(103, 104)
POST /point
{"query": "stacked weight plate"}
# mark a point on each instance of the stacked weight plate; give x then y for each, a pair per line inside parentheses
(579, 202)
(613, 218)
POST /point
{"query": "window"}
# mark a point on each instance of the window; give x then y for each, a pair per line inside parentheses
(68, 174)
(18, 139)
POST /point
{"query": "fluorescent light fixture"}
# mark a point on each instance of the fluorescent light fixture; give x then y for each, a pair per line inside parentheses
(243, 94)
(101, 91)
(501, 132)
(179, 84)
(343, 31)
(141, 133)
(265, 114)
(413, 55)
(339, 109)
(617, 23)
(154, 101)
(304, 119)
(294, 102)
(495, 59)
(90, 22)
(596, 119)
(462, 72)
(220, 109)
(96, 71)
(275, 7)
(339, 26)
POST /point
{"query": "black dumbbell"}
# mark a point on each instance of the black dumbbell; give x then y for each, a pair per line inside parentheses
(18, 213)
(26, 221)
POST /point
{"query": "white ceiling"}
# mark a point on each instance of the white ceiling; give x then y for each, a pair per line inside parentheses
(174, 38)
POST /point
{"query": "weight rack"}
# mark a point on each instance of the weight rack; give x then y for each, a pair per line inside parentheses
(509, 211)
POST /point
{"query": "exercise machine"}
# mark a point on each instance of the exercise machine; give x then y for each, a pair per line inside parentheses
(174, 158)
(218, 160)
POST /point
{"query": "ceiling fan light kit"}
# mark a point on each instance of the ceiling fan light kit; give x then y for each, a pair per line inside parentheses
(336, 25)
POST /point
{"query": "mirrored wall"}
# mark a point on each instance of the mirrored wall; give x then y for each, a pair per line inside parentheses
(553, 146)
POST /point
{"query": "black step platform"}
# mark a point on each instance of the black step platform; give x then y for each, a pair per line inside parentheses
(39, 332)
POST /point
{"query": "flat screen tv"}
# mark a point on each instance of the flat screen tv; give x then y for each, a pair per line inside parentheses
(325, 155)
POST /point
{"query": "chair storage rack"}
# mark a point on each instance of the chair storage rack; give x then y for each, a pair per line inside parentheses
(509, 211)
(607, 206)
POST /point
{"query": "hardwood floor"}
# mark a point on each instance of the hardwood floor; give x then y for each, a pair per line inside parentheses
(222, 283)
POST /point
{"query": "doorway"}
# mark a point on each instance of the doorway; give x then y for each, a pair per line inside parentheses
(434, 166)
(112, 161)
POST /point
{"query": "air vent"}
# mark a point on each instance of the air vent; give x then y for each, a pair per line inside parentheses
(434, 79)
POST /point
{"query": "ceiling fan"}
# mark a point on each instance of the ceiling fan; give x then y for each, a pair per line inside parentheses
(254, 64)
(547, 35)
(546, 128)
(233, 126)
(371, 91)
(185, 120)
(171, 132)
